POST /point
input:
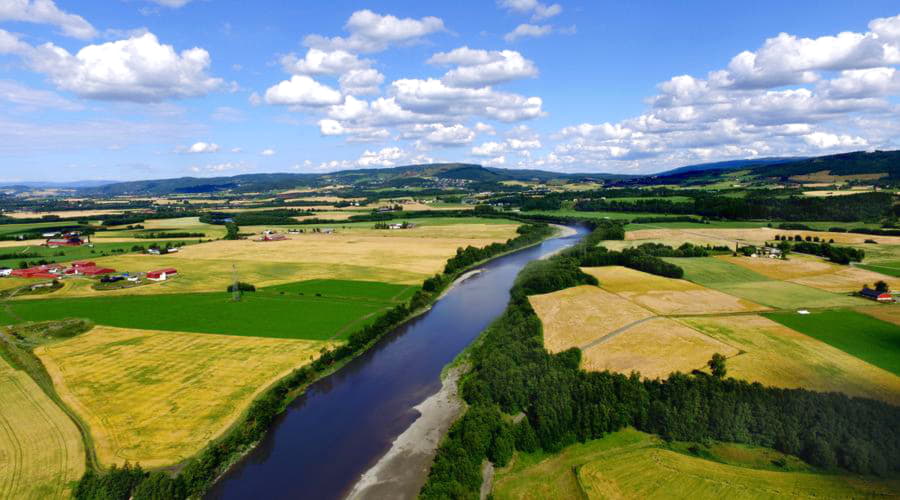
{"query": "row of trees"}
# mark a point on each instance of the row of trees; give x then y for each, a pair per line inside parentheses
(200, 471)
(634, 258)
(836, 254)
(512, 373)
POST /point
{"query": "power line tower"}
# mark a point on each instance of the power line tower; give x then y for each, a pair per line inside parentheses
(235, 289)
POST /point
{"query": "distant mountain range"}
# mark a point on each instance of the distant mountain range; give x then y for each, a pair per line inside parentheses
(450, 174)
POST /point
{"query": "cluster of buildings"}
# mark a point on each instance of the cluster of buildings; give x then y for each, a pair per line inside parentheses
(71, 239)
(83, 268)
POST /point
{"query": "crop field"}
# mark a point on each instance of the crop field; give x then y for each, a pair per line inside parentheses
(576, 316)
(847, 279)
(631, 464)
(181, 225)
(725, 276)
(813, 272)
(68, 254)
(655, 348)
(775, 355)
(159, 397)
(41, 450)
(342, 307)
(701, 234)
(860, 335)
(889, 268)
(889, 313)
(668, 296)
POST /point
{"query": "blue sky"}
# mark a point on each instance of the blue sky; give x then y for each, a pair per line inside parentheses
(130, 89)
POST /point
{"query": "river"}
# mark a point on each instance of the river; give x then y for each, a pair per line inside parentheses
(340, 427)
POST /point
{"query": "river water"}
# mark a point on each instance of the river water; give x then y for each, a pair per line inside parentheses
(344, 423)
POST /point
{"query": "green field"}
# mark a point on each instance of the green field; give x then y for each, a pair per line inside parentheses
(631, 464)
(726, 224)
(279, 312)
(891, 268)
(597, 215)
(12, 229)
(746, 284)
(860, 335)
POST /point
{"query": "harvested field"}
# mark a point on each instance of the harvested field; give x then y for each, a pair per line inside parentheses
(159, 397)
(67, 214)
(847, 279)
(786, 295)
(655, 348)
(889, 313)
(796, 266)
(41, 450)
(668, 296)
(826, 176)
(824, 194)
(576, 316)
(775, 355)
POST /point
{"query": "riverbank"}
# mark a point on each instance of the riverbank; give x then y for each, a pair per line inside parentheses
(401, 472)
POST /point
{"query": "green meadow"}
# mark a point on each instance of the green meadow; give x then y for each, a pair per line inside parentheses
(67, 254)
(857, 334)
(280, 312)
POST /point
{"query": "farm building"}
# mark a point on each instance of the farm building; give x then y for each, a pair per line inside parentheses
(95, 271)
(5, 271)
(876, 295)
(84, 263)
(272, 236)
(71, 241)
(43, 271)
(162, 274)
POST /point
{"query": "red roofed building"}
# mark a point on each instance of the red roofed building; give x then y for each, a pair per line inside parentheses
(161, 274)
(95, 271)
(83, 263)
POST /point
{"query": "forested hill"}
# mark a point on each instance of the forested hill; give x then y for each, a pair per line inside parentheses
(856, 163)
(411, 175)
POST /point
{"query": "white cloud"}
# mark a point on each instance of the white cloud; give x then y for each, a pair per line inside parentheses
(484, 128)
(494, 162)
(491, 148)
(237, 150)
(135, 69)
(825, 140)
(537, 9)
(454, 135)
(371, 32)
(216, 168)
(528, 31)
(386, 157)
(46, 12)
(28, 98)
(320, 62)
(267, 152)
(302, 90)
(361, 81)
(488, 68)
(201, 147)
(227, 114)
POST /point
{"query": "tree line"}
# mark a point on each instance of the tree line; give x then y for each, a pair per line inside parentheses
(513, 374)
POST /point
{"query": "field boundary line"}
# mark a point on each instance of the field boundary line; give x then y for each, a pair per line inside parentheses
(615, 333)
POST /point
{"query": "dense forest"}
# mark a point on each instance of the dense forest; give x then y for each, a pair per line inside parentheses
(513, 374)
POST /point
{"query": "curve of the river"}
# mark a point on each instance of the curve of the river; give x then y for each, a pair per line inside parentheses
(344, 423)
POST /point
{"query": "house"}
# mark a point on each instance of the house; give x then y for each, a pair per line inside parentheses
(5, 271)
(153, 251)
(162, 274)
(876, 295)
(327, 230)
(70, 241)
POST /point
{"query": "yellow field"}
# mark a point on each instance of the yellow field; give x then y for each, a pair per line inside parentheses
(814, 272)
(655, 348)
(182, 224)
(668, 296)
(7, 283)
(66, 213)
(576, 316)
(826, 176)
(884, 312)
(326, 216)
(778, 356)
(823, 194)
(41, 450)
(159, 397)
(21, 243)
(847, 279)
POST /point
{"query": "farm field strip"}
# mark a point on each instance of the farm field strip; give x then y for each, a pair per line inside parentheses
(41, 449)
(888, 313)
(258, 314)
(860, 335)
(576, 316)
(775, 355)
(159, 397)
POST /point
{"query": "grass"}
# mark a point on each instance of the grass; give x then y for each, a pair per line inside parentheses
(342, 307)
(890, 268)
(631, 464)
(159, 397)
(41, 450)
(775, 355)
(860, 335)
(576, 316)
(889, 313)
(709, 271)
(67, 254)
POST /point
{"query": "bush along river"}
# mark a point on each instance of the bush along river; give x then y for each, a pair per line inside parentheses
(336, 439)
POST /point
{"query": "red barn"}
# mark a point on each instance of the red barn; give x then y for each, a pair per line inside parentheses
(95, 271)
(84, 263)
(161, 274)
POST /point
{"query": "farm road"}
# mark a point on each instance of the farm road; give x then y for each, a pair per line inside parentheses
(615, 333)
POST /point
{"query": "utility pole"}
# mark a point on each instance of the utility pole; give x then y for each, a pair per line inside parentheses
(235, 289)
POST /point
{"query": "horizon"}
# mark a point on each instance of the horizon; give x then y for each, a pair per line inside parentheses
(156, 89)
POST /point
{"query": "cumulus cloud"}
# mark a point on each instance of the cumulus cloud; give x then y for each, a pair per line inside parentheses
(28, 98)
(537, 9)
(453, 135)
(386, 157)
(825, 140)
(320, 62)
(481, 68)
(528, 31)
(215, 168)
(135, 69)
(267, 152)
(175, 4)
(201, 147)
(371, 32)
(302, 90)
(361, 81)
(46, 12)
